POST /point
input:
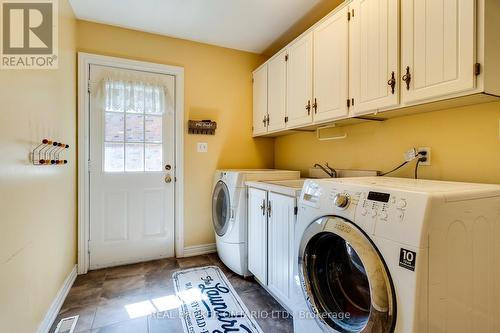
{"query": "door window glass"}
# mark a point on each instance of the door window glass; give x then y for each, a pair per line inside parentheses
(133, 141)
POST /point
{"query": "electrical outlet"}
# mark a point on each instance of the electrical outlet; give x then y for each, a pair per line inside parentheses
(202, 147)
(428, 155)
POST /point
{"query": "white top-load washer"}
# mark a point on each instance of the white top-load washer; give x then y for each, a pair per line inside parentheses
(390, 255)
(229, 212)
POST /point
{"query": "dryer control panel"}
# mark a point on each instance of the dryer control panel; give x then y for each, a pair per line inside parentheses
(392, 214)
(381, 206)
(389, 213)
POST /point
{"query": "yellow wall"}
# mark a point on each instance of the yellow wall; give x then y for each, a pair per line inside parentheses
(37, 204)
(464, 141)
(217, 86)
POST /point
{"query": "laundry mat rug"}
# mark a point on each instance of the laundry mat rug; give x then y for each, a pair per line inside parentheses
(209, 303)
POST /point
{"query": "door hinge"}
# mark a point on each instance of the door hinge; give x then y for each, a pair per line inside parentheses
(88, 87)
(286, 119)
(295, 210)
(477, 69)
(89, 164)
(348, 103)
(88, 246)
(286, 57)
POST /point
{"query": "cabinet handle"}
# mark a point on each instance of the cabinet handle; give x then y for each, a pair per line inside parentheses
(315, 106)
(392, 82)
(264, 120)
(269, 209)
(268, 120)
(263, 207)
(407, 78)
(308, 107)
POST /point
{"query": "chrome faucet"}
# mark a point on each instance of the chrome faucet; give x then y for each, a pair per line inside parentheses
(327, 169)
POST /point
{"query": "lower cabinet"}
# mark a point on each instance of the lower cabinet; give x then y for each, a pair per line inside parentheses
(257, 234)
(271, 222)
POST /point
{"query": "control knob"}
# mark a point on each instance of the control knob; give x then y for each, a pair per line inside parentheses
(341, 200)
(401, 204)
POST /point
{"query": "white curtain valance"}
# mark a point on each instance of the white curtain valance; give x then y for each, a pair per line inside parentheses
(133, 96)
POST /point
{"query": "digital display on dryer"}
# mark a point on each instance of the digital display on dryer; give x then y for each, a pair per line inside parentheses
(380, 197)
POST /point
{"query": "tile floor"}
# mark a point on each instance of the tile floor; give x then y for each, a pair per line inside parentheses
(101, 297)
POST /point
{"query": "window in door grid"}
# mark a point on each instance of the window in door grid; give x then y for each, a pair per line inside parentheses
(132, 141)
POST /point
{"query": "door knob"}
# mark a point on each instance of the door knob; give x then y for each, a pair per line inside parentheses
(168, 179)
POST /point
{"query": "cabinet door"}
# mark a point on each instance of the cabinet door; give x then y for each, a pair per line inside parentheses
(260, 100)
(299, 82)
(438, 47)
(280, 246)
(373, 54)
(331, 68)
(277, 92)
(257, 233)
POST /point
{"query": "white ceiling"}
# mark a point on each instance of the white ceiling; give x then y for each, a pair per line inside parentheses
(249, 25)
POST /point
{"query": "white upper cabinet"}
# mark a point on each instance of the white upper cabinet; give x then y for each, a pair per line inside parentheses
(277, 92)
(299, 82)
(331, 68)
(370, 56)
(373, 55)
(260, 100)
(438, 48)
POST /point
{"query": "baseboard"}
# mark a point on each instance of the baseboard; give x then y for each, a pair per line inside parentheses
(197, 250)
(57, 303)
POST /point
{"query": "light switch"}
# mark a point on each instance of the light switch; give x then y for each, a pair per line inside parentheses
(202, 147)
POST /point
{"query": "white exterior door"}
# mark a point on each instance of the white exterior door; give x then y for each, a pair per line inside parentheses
(331, 68)
(131, 174)
(374, 53)
(438, 48)
(260, 101)
(257, 234)
(299, 82)
(277, 92)
(280, 245)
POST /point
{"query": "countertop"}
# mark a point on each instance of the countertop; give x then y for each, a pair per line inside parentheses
(286, 187)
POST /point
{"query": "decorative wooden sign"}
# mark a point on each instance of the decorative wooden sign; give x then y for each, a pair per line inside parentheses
(205, 127)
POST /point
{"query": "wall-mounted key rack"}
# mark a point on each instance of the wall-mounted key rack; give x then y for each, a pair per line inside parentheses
(49, 153)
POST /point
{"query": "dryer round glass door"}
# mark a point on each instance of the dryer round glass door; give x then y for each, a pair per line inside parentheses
(221, 208)
(345, 280)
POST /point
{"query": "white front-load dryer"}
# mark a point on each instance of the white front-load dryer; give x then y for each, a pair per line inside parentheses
(229, 212)
(389, 255)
